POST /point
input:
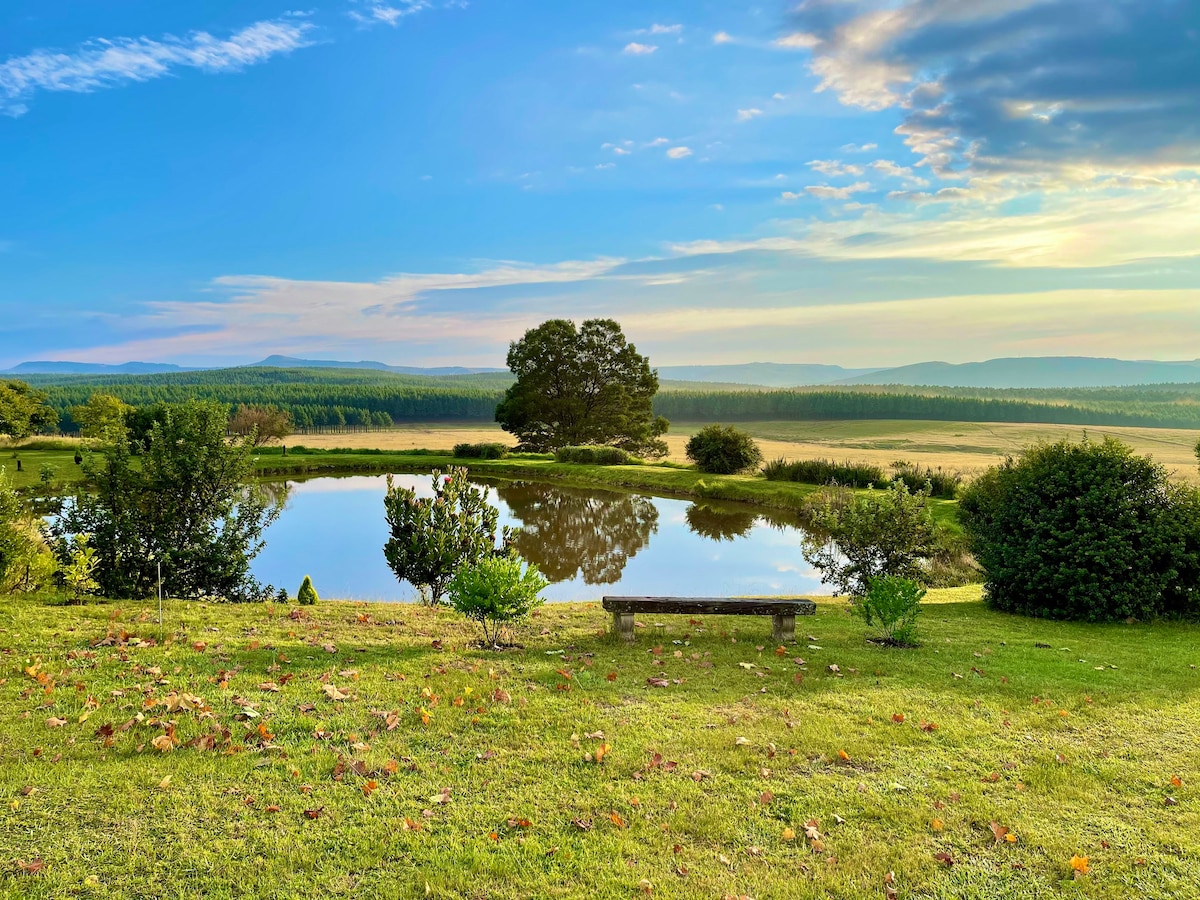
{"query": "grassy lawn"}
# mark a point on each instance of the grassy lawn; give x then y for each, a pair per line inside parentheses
(365, 750)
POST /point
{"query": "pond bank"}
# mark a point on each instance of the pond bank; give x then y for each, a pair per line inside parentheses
(665, 479)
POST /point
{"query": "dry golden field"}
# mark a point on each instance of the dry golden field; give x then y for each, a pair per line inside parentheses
(965, 446)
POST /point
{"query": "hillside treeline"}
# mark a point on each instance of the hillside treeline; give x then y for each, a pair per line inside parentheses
(325, 398)
(750, 406)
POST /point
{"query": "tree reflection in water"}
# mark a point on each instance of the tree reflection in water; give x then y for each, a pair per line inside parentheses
(568, 531)
(720, 523)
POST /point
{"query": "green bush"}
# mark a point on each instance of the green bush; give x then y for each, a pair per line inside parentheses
(854, 538)
(594, 455)
(495, 592)
(893, 604)
(825, 471)
(307, 595)
(939, 482)
(480, 451)
(723, 450)
(1087, 531)
(433, 537)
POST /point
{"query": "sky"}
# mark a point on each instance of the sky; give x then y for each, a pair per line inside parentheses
(854, 182)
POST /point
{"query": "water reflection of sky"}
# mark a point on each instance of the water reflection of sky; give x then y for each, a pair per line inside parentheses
(334, 530)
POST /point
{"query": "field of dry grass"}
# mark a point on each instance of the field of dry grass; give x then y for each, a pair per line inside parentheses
(966, 446)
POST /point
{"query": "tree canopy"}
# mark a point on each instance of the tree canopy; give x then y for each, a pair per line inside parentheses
(190, 504)
(24, 411)
(576, 386)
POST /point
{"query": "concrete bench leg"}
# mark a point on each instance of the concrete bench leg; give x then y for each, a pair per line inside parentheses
(623, 625)
(785, 629)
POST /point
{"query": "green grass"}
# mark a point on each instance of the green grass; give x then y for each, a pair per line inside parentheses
(1073, 747)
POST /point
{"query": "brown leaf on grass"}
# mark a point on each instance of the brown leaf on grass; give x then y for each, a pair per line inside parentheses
(789, 834)
(501, 696)
(441, 797)
(269, 686)
(314, 813)
(999, 832)
(616, 819)
(843, 756)
(163, 743)
(409, 825)
(53, 722)
(898, 718)
(937, 824)
(1176, 781)
(1079, 865)
(334, 694)
(658, 682)
(765, 798)
(944, 858)
(33, 867)
(582, 824)
(611, 676)
(273, 808)
(929, 726)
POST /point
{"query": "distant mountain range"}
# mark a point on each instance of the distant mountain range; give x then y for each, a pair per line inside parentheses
(290, 362)
(1037, 372)
(1017, 372)
(780, 375)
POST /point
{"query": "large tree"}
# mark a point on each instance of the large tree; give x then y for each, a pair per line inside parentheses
(190, 504)
(24, 411)
(585, 385)
(262, 424)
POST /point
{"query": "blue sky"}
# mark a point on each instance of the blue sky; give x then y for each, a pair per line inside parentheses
(864, 182)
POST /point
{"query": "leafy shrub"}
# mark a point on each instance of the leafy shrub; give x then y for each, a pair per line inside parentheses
(939, 482)
(594, 455)
(433, 537)
(1087, 531)
(495, 592)
(480, 451)
(723, 450)
(893, 604)
(853, 538)
(78, 568)
(825, 471)
(307, 595)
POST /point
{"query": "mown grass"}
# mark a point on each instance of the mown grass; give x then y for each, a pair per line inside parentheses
(1073, 746)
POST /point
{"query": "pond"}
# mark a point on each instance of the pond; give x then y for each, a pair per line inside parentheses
(587, 542)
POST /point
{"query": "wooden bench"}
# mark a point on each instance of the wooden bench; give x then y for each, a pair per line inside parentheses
(784, 612)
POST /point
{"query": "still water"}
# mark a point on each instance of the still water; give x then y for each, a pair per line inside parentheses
(587, 542)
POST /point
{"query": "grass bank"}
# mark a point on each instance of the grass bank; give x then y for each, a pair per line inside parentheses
(366, 750)
(666, 479)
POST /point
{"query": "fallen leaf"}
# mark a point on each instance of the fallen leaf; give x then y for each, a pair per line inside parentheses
(945, 858)
(333, 693)
(1080, 865)
(843, 756)
(314, 813)
(165, 783)
(789, 834)
(937, 824)
(897, 718)
(616, 819)
(999, 832)
(53, 722)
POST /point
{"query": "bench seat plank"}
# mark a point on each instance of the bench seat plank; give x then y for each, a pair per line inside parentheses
(716, 606)
(782, 612)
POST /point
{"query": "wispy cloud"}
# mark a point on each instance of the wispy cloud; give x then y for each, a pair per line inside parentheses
(386, 13)
(107, 63)
(679, 152)
(661, 29)
(633, 48)
(745, 115)
(827, 192)
(834, 167)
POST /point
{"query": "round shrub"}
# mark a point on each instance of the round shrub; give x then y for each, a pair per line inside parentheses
(495, 592)
(480, 451)
(1086, 531)
(307, 595)
(723, 450)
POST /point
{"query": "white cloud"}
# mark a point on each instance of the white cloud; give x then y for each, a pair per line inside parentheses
(789, 196)
(387, 14)
(800, 40)
(859, 148)
(826, 192)
(621, 151)
(745, 115)
(606, 165)
(662, 29)
(834, 167)
(722, 37)
(778, 96)
(633, 48)
(679, 152)
(658, 142)
(104, 63)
